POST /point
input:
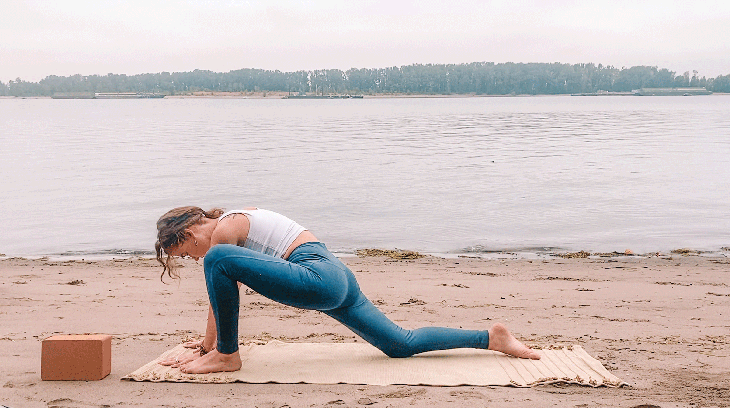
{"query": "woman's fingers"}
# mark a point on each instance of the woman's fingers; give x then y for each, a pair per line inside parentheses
(193, 344)
(178, 360)
(187, 358)
(172, 361)
(168, 361)
(184, 358)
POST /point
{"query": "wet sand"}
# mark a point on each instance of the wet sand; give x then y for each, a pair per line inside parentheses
(659, 323)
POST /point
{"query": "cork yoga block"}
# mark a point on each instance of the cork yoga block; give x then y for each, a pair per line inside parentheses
(84, 357)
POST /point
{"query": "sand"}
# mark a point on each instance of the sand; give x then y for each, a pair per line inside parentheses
(660, 323)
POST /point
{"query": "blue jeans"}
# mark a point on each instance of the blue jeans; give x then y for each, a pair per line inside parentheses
(313, 278)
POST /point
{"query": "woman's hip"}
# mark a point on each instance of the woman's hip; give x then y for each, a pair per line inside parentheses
(312, 277)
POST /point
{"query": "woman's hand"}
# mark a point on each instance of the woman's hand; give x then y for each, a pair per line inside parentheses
(199, 346)
(180, 359)
(195, 344)
(186, 357)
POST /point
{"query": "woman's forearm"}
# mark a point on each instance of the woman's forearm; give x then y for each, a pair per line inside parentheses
(210, 332)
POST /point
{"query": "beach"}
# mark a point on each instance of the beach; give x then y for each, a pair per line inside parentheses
(658, 322)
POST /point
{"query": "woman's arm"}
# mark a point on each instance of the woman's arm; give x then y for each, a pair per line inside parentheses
(233, 230)
(230, 230)
(209, 341)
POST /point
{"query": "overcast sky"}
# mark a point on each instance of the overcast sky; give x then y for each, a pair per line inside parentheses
(41, 38)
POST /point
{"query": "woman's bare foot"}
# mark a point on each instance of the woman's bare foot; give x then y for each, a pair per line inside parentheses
(213, 362)
(500, 339)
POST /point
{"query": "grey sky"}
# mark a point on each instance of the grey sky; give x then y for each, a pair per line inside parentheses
(40, 38)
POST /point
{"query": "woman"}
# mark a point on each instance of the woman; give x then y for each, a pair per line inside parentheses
(285, 262)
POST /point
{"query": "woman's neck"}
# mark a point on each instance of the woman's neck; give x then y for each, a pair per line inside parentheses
(203, 230)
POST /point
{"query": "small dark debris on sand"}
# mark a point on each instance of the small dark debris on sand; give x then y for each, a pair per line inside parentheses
(75, 282)
(391, 253)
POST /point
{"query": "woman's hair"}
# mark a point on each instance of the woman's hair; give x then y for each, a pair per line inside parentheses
(171, 232)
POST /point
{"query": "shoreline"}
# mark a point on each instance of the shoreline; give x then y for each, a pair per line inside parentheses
(658, 323)
(281, 95)
(518, 254)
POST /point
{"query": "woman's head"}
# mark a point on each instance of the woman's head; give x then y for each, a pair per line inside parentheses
(173, 230)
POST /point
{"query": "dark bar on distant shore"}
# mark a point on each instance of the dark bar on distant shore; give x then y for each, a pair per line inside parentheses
(106, 95)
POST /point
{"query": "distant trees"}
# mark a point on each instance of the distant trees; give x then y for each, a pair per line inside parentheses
(482, 78)
(719, 84)
(643, 77)
(18, 87)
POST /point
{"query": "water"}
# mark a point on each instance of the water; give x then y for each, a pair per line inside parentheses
(430, 174)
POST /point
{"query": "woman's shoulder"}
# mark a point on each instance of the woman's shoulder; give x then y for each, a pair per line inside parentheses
(231, 229)
(234, 212)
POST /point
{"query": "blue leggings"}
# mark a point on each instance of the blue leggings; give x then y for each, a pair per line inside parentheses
(313, 278)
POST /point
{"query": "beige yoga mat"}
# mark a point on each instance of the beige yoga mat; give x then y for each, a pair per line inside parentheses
(358, 363)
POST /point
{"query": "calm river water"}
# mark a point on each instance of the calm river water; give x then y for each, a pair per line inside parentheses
(438, 175)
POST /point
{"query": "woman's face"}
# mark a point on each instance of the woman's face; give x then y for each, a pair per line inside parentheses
(188, 249)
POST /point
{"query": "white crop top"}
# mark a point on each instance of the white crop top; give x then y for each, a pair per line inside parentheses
(269, 232)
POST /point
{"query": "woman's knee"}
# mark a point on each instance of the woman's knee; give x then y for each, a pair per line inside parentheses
(397, 351)
(215, 254)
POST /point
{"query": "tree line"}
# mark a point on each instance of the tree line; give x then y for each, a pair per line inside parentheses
(480, 78)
